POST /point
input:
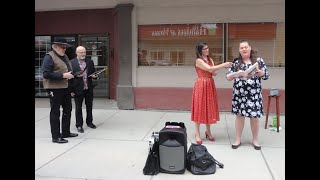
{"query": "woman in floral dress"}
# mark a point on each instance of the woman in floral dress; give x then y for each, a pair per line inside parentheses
(247, 93)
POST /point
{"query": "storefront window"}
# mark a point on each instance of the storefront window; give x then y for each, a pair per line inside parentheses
(42, 46)
(174, 45)
(267, 39)
(97, 49)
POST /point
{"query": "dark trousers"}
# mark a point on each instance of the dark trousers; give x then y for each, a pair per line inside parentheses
(60, 97)
(87, 95)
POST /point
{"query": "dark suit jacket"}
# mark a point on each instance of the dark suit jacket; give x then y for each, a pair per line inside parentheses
(77, 83)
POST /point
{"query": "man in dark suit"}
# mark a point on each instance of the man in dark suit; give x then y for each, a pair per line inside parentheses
(82, 87)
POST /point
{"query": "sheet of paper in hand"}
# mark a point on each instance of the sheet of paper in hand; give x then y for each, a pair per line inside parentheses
(250, 71)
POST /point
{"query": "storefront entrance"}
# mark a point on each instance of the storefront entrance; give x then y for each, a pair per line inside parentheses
(97, 49)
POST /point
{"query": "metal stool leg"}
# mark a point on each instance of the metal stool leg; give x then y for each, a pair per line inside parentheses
(278, 113)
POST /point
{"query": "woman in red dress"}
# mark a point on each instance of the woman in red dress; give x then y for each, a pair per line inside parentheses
(204, 108)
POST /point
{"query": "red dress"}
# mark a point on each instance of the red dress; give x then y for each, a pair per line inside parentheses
(204, 108)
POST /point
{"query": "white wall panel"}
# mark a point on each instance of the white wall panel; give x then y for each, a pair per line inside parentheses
(210, 14)
(185, 77)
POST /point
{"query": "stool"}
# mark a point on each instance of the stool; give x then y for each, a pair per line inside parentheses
(277, 111)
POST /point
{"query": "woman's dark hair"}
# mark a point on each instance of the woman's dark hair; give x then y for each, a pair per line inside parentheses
(253, 56)
(199, 47)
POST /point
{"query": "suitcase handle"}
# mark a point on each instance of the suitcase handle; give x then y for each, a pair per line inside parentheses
(181, 124)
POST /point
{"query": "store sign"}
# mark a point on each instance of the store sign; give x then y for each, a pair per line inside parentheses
(194, 30)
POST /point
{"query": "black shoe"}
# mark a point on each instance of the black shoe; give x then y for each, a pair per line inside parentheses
(59, 140)
(235, 146)
(92, 126)
(256, 147)
(80, 129)
(70, 135)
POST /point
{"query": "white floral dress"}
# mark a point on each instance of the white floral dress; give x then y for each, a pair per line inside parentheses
(247, 92)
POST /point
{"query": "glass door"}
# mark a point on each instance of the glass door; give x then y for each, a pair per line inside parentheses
(98, 50)
(42, 46)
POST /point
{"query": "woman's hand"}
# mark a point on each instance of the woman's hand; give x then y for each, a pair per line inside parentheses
(259, 73)
(227, 64)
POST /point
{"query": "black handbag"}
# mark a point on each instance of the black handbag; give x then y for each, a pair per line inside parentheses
(152, 166)
(200, 161)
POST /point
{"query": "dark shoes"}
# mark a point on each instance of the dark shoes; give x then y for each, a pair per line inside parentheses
(256, 147)
(59, 140)
(80, 129)
(91, 126)
(235, 146)
(70, 135)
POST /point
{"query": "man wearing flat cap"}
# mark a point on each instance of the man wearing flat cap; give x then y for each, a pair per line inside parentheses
(57, 71)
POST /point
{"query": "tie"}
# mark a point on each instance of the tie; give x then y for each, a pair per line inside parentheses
(82, 66)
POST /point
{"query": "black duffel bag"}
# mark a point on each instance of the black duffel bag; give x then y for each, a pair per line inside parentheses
(200, 161)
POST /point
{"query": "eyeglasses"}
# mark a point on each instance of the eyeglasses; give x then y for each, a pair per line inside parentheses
(62, 47)
(205, 48)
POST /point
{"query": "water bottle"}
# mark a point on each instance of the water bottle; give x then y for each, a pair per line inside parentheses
(274, 121)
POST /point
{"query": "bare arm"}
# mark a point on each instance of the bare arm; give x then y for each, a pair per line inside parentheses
(202, 65)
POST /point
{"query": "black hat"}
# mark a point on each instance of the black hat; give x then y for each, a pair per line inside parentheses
(61, 41)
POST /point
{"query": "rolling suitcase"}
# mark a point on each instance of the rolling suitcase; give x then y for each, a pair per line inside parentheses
(173, 148)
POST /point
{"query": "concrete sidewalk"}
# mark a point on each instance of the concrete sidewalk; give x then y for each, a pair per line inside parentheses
(118, 148)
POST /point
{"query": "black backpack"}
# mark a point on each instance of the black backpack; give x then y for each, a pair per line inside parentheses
(200, 161)
(152, 165)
